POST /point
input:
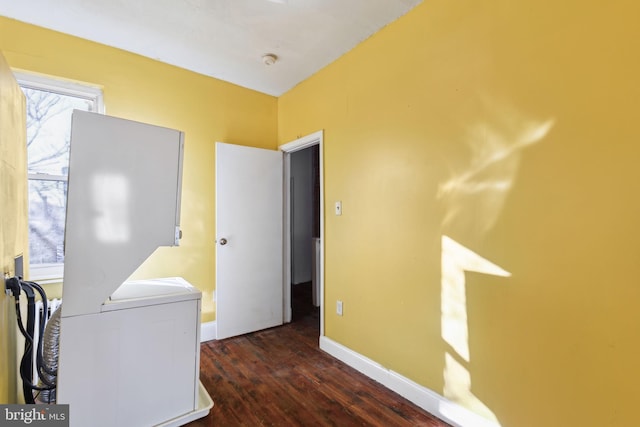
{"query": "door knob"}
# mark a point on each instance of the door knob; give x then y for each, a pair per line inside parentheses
(223, 241)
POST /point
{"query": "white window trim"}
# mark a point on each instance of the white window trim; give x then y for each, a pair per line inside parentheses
(54, 272)
(47, 177)
(66, 87)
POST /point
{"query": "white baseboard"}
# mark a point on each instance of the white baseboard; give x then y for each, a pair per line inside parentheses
(208, 331)
(421, 396)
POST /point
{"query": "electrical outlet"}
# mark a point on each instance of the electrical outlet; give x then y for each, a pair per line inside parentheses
(339, 308)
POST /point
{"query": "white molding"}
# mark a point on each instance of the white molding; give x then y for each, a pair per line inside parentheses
(208, 331)
(286, 238)
(423, 397)
(47, 273)
(302, 143)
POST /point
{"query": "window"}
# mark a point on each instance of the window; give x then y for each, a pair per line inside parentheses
(50, 103)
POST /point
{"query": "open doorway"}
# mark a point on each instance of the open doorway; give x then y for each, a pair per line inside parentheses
(304, 228)
(304, 211)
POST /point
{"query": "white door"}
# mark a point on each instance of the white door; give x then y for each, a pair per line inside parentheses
(249, 268)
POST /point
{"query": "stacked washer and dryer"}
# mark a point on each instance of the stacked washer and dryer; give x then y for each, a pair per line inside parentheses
(129, 350)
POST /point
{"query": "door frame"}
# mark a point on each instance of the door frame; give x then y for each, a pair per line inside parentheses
(310, 140)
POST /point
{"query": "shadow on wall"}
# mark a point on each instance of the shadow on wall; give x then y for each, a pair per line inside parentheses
(473, 199)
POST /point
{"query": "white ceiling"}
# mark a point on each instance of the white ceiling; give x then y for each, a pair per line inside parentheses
(225, 39)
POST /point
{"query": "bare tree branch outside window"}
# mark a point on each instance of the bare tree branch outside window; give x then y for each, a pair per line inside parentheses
(48, 136)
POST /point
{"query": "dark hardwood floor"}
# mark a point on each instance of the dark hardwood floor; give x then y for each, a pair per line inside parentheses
(279, 377)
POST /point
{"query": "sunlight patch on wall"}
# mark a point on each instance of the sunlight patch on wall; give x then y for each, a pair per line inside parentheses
(473, 198)
(456, 259)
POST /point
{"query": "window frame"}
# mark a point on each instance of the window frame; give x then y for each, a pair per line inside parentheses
(54, 272)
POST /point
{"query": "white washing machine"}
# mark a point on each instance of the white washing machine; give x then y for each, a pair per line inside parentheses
(137, 361)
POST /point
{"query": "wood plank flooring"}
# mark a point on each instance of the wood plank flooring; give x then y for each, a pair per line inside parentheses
(279, 377)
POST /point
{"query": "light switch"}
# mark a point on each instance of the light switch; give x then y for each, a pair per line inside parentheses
(338, 208)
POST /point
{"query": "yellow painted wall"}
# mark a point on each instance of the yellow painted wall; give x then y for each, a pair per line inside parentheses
(13, 220)
(512, 128)
(205, 109)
